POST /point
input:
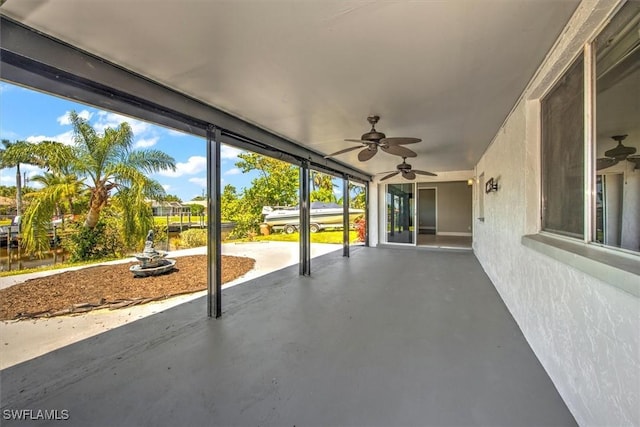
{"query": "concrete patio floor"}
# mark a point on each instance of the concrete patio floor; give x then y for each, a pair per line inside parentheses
(386, 338)
(25, 339)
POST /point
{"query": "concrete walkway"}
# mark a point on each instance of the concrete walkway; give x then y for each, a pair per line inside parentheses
(23, 340)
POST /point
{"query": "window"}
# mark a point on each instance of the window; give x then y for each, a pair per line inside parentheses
(617, 136)
(607, 191)
(563, 154)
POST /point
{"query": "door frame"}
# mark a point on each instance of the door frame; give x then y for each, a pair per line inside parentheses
(435, 207)
(385, 216)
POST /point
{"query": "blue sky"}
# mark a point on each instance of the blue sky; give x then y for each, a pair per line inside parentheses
(33, 116)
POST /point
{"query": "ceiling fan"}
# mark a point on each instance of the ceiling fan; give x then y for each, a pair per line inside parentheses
(373, 140)
(407, 172)
(617, 154)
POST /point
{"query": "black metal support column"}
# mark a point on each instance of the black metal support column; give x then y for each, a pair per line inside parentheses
(366, 214)
(345, 216)
(305, 221)
(214, 241)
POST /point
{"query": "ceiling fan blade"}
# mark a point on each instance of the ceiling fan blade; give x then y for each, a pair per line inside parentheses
(424, 173)
(390, 175)
(346, 150)
(398, 150)
(367, 153)
(358, 140)
(605, 162)
(399, 140)
(409, 175)
(635, 159)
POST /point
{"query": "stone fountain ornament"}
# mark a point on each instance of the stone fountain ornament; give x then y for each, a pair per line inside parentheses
(152, 261)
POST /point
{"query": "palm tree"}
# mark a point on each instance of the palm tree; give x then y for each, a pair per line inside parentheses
(46, 154)
(97, 164)
(109, 162)
(64, 188)
(12, 155)
(322, 187)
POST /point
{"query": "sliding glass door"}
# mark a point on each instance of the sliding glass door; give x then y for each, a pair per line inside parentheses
(400, 210)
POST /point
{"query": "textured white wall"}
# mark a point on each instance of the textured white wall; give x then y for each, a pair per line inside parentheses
(585, 332)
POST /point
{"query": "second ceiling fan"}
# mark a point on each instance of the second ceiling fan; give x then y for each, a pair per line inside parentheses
(373, 140)
(407, 172)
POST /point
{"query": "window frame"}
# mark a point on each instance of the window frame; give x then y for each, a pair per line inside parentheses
(588, 54)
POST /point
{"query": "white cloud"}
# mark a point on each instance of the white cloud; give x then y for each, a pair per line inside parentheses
(202, 182)
(173, 132)
(194, 165)
(113, 120)
(8, 179)
(64, 120)
(8, 134)
(30, 169)
(234, 171)
(65, 138)
(8, 175)
(166, 187)
(229, 152)
(146, 142)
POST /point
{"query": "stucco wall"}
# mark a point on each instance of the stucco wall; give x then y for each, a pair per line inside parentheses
(584, 331)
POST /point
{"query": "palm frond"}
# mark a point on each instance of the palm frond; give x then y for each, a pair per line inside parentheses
(37, 221)
(151, 161)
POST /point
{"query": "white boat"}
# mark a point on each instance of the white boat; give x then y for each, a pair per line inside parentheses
(323, 215)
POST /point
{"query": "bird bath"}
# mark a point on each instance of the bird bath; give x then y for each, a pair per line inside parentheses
(152, 261)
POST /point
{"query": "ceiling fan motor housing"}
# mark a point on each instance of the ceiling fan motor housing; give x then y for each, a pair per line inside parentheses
(373, 136)
(404, 167)
(620, 152)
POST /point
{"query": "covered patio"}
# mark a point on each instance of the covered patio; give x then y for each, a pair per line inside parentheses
(387, 337)
(542, 313)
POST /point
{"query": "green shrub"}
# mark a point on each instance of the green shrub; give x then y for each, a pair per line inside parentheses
(193, 238)
(85, 244)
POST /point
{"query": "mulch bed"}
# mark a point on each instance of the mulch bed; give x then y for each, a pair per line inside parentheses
(110, 286)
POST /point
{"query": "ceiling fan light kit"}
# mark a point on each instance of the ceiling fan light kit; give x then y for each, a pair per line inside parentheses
(373, 140)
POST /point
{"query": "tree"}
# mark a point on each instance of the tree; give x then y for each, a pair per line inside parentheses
(276, 185)
(46, 154)
(322, 188)
(97, 164)
(12, 155)
(171, 198)
(109, 162)
(196, 209)
(358, 198)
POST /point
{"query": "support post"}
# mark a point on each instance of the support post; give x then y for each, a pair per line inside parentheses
(366, 214)
(214, 242)
(345, 216)
(305, 221)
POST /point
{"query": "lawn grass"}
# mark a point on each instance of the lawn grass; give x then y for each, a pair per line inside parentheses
(162, 220)
(319, 237)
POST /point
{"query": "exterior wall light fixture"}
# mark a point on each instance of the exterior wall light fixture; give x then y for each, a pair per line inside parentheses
(490, 186)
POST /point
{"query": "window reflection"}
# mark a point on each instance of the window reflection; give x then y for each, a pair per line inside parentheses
(617, 195)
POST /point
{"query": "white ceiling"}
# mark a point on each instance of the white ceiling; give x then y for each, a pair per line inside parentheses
(446, 71)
